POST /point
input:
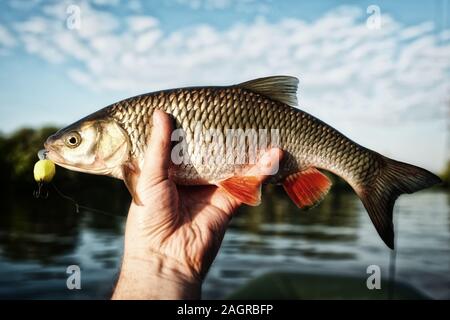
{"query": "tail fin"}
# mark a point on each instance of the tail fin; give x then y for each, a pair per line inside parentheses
(394, 179)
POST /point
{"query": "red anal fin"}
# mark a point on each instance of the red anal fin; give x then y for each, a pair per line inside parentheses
(307, 188)
(130, 174)
(246, 189)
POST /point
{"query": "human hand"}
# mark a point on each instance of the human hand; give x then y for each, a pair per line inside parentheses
(173, 238)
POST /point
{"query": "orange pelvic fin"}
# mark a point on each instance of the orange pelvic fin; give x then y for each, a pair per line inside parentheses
(130, 174)
(246, 189)
(307, 188)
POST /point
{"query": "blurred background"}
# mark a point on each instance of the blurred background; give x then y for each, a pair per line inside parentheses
(378, 71)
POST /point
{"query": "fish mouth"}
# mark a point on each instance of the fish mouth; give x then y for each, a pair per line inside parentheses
(102, 171)
(49, 153)
(42, 154)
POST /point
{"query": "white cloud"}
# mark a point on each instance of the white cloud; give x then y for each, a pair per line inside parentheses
(73, 47)
(6, 38)
(34, 25)
(147, 40)
(444, 35)
(80, 77)
(106, 2)
(260, 6)
(206, 4)
(142, 23)
(95, 23)
(23, 5)
(416, 31)
(43, 49)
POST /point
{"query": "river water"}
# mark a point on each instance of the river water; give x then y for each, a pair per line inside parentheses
(39, 239)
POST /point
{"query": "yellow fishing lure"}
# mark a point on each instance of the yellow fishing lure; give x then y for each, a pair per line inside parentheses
(44, 171)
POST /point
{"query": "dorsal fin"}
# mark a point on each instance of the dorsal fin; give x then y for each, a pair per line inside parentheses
(279, 88)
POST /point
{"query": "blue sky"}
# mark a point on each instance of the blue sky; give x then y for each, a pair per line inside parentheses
(386, 88)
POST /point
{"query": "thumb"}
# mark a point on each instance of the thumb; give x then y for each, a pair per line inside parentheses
(157, 156)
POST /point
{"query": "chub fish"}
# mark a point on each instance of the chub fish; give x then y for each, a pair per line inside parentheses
(112, 141)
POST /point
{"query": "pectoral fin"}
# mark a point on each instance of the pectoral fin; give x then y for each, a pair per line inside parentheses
(246, 189)
(130, 175)
(307, 188)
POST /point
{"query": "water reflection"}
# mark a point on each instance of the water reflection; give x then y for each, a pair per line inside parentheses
(28, 230)
(39, 239)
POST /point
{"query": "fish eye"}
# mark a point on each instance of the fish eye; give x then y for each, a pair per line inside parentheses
(73, 140)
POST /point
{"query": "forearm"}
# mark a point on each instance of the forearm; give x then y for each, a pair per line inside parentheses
(154, 278)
